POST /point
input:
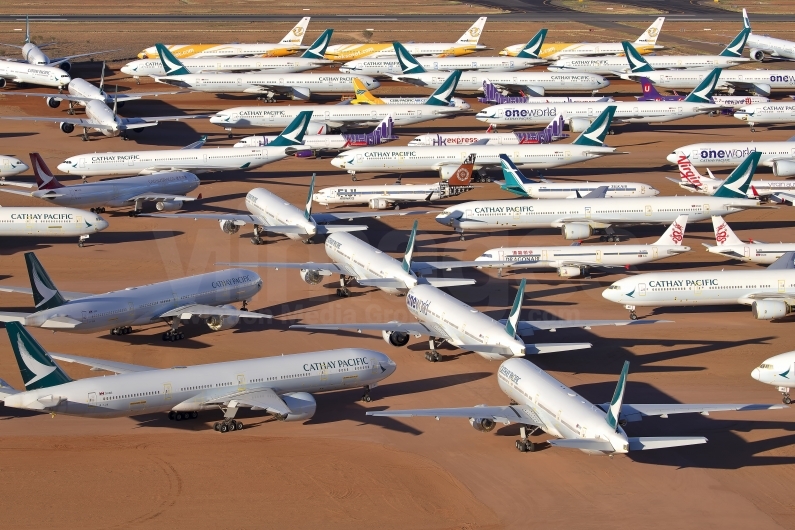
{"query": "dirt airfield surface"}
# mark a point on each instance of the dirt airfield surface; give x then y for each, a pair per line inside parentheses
(342, 469)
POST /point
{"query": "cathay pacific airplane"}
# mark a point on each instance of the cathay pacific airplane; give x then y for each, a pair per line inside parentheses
(10, 166)
(766, 113)
(762, 44)
(754, 251)
(779, 371)
(279, 385)
(206, 296)
(48, 221)
(542, 403)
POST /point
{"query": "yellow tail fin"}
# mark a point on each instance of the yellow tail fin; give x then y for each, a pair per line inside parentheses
(362, 96)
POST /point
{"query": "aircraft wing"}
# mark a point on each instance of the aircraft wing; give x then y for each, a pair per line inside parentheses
(412, 328)
(528, 327)
(325, 269)
(749, 299)
(265, 399)
(138, 95)
(321, 218)
(156, 119)
(17, 183)
(424, 267)
(239, 219)
(24, 193)
(505, 415)
(68, 295)
(158, 197)
(637, 412)
(187, 311)
(101, 364)
(65, 97)
(59, 60)
(77, 122)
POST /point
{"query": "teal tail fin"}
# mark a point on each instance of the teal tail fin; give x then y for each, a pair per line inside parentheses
(308, 208)
(513, 318)
(703, 92)
(515, 180)
(410, 249)
(595, 134)
(45, 293)
(318, 48)
(637, 64)
(737, 183)
(442, 96)
(533, 47)
(36, 366)
(614, 411)
(736, 46)
(294, 133)
(171, 64)
(407, 62)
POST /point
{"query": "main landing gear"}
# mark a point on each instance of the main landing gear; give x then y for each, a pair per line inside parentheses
(81, 241)
(101, 209)
(433, 356)
(366, 396)
(785, 395)
(85, 134)
(353, 174)
(179, 416)
(123, 330)
(257, 239)
(610, 238)
(523, 444)
(174, 333)
(229, 423)
(632, 314)
(342, 290)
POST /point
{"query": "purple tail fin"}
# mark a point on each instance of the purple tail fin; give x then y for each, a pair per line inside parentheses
(381, 134)
(492, 95)
(650, 92)
(553, 131)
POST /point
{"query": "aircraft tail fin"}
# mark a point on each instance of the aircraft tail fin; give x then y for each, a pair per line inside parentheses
(27, 29)
(362, 95)
(735, 47)
(736, 184)
(409, 249)
(308, 208)
(102, 79)
(463, 175)
(618, 398)
(595, 134)
(45, 293)
(650, 92)
(37, 368)
(296, 35)
(724, 235)
(649, 37)
(171, 64)
(746, 20)
(318, 48)
(515, 181)
(675, 233)
(472, 35)
(294, 133)
(408, 64)
(663, 442)
(45, 180)
(703, 92)
(443, 95)
(533, 47)
(512, 323)
(689, 175)
(637, 64)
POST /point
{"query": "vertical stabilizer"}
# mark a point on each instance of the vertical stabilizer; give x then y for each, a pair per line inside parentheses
(171, 64)
(410, 249)
(443, 95)
(513, 318)
(703, 92)
(408, 64)
(614, 411)
(294, 133)
(515, 181)
(45, 180)
(637, 64)
(649, 37)
(296, 35)
(595, 134)
(736, 184)
(37, 368)
(27, 29)
(362, 95)
(308, 208)
(746, 20)
(736, 46)
(463, 175)
(318, 48)
(45, 293)
(675, 233)
(472, 35)
(533, 47)
(724, 235)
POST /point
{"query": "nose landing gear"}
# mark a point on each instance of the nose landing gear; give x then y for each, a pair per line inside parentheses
(632, 314)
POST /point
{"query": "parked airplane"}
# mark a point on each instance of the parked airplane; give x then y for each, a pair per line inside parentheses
(362, 96)
(468, 43)
(579, 115)
(10, 166)
(32, 221)
(390, 65)
(769, 292)
(271, 213)
(193, 160)
(290, 44)
(552, 132)
(446, 159)
(355, 260)
(762, 44)
(32, 53)
(492, 95)
(383, 196)
(279, 385)
(578, 260)
(311, 58)
(579, 218)
(534, 83)
(444, 318)
(650, 93)
(315, 144)
(766, 113)
(26, 74)
(439, 105)
(732, 55)
(299, 86)
(206, 296)
(781, 191)
(777, 155)
(646, 43)
(515, 182)
(777, 371)
(542, 403)
(168, 190)
(754, 251)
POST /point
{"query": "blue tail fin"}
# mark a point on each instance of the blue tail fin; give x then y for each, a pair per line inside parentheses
(703, 92)
(442, 96)
(596, 133)
(533, 47)
(37, 368)
(171, 64)
(614, 411)
(294, 133)
(735, 47)
(318, 48)
(637, 64)
(515, 181)
(45, 293)
(410, 249)
(736, 184)
(308, 208)
(512, 323)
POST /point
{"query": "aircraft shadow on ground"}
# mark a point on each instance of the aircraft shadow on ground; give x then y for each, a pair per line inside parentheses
(15, 135)
(13, 245)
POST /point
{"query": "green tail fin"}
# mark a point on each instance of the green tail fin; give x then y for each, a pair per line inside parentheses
(637, 63)
(514, 179)
(533, 47)
(45, 293)
(614, 411)
(737, 183)
(410, 249)
(735, 47)
(36, 366)
(318, 48)
(703, 92)
(442, 96)
(595, 134)
(294, 133)
(171, 64)
(513, 316)
(407, 62)
(27, 29)
(308, 208)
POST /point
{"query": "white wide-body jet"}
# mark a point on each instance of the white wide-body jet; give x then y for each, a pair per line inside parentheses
(578, 218)
(552, 133)
(168, 190)
(278, 385)
(759, 45)
(777, 371)
(754, 251)
(28, 74)
(578, 260)
(767, 113)
(542, 403)
(207, 296)
(777, 155)
(32, 221)
(10, 166)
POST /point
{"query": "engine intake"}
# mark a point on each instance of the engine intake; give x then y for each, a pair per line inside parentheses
(756, 55)
(302, 406)
(784, 168)
(482, 424)
(769, 309)
(577, 125)
(395, 338)
(576, 231)
(65, 66)
(168, 206)
(219, 323)
(53, 103)
(569, 272)
(67, 127)
(379, 204)
(311, 276)
(229, 227)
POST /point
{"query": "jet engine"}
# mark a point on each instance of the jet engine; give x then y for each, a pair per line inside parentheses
(65, 66)
(379, 204)
(761, 89)
(311, 276)
(769, 309)
(534, 91)
(2, 82)
(67, 127)
(395, 338)
(301, 93)
(576, 231)
(569, 272)
(482, 424)
(577, 125)
(756, 55)
(302, 405)
(219, 323)
(229, 227)
(784, 168)
(303, 153)
(53, 103)
(168, 206)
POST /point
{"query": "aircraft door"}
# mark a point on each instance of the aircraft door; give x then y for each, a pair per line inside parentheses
(167, 392)
(567, 154)
(327, 115)
(654, 252)
(590, 111)
(544, 254)
(239, 81)
(695, 154)
(747, 252)
(92, 399)
(131, 162)
(641, 289)
(587, 212)
(436, 65)
(281, 81)
(82, 162)
(697, 289)
(241, 381)
(648, 210)
(706, 207)
(598, 256)
(468, 214)
(782, 286)
(679, 110)
(30, 227)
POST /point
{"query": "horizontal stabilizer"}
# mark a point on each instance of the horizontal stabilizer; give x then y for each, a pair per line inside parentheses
(386, 283)
(17, 183)
(447, 282)
(488, 348)
(6, 390)
(204, 311)
(553, 347)
(662, 442)
(132, 126)
(584, 444)
(8, 316)
(330, 229)
(500, 414)
(68, 295)
(60, 322)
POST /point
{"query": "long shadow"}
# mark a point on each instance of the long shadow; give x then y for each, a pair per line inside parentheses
(16, 135)
(13, 245)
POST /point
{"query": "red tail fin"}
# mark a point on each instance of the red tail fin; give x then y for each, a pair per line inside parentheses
(44, 177)
(463, 175)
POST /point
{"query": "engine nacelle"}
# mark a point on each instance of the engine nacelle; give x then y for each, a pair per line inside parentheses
(756, 55)
(569, 272)
(3, 82)
(53, 103)
(302, 405)
(761, 89)
(534, 91)
(168, 206)
(304, 153)
(311, 276)
(577, 125)
(379, 204)
(784, 168)
(395, 338)
(576, 231)
(65, 66)
(301, 93)
(67, 127)
(482, 424)
(769, 309)
(229, 227)
(218, 323)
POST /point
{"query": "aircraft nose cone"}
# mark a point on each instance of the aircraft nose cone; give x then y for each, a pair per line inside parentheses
(63, 167)
(101, 224)
(346, 70)
(609, 294)
(375, 84)
(22, 166)
(126, 70)
(216, 119)
(337, 162)
(672, 158)
(755, 373)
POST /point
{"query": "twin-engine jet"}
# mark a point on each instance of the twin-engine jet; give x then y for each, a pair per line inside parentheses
(777, 371)
(777, 155)
(551, 133)
(762, 44)
(754, 251)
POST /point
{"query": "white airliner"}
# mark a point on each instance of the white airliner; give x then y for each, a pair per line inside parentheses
(168, 190)
(766, 113)
(552, 132)
(754, 251)
(298, 86)
(206, 296)
(10, 166)
(762, 44)
(290, 44)
(28, 74)
(542, 403)
(777, 155)
(279, 385)
(579, 115)
(271, 213)
(447, 159)
(444, 318)
(531, 83)
(578, 218)
(311, 58)
(779, 371)
(353, 259)
(193, 160)
(578, 260)
(31, 221)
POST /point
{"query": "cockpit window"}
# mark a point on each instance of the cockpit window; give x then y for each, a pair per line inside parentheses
(765, 366)
(486, 256)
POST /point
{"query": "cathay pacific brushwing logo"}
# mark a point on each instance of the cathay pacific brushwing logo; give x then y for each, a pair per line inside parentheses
(409, 62)
(46, 292)
(785, 375)
(635, 63)
(631, 294)
(41, 370)
(170, 66)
